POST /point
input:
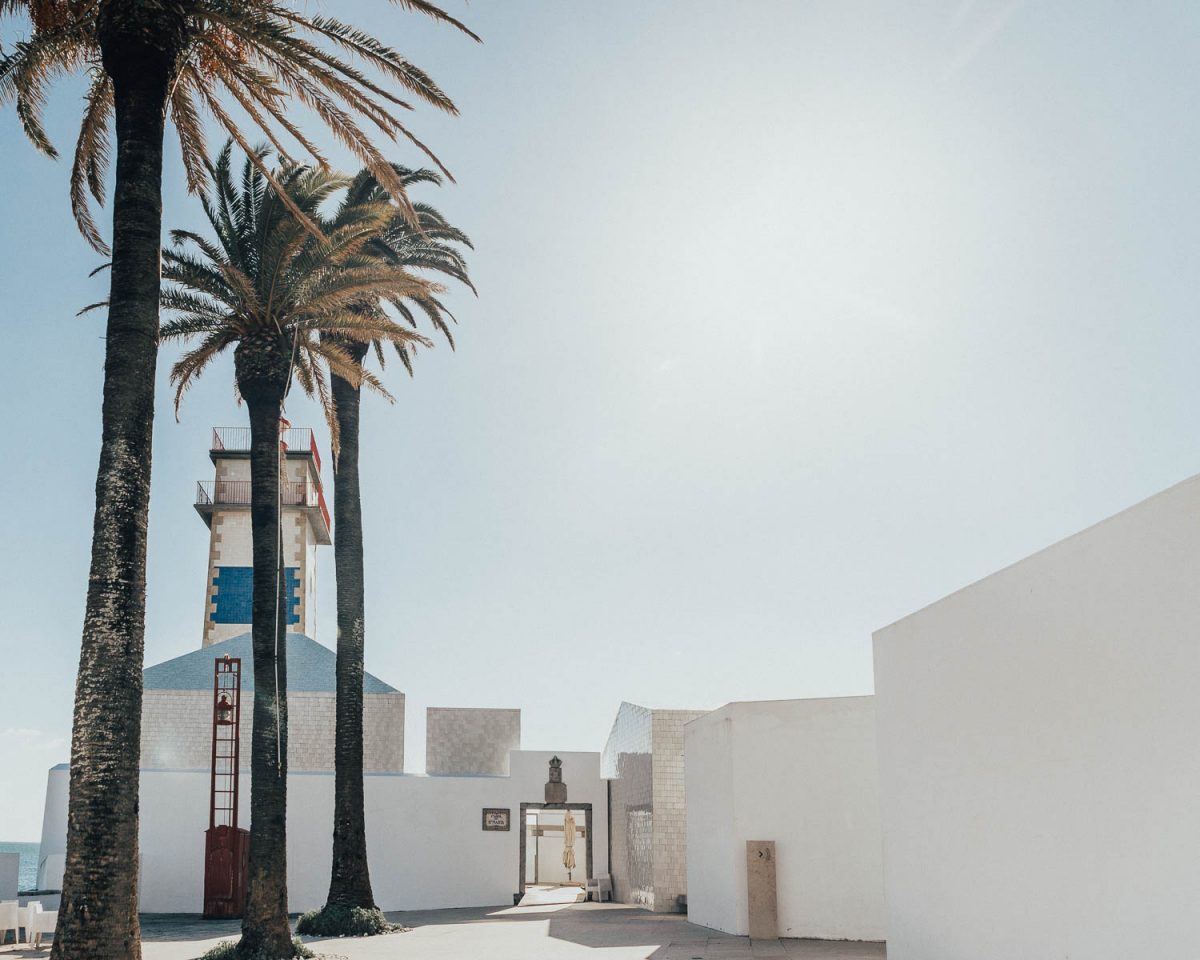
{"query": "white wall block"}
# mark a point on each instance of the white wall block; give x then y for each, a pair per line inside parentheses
(803, 774)
(1039, 758)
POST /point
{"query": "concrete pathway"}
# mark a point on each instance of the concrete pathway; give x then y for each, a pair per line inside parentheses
(554, 931)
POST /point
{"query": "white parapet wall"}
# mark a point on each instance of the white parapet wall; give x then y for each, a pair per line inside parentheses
(803, 774)
(1039, 751)
(425, 840)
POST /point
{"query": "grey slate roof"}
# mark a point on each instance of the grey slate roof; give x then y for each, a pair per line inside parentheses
(310, 668)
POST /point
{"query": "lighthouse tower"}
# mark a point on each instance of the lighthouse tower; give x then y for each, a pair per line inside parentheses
(224, 504)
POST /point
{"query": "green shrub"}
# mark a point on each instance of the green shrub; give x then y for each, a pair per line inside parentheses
(228, 950)
(341, 921)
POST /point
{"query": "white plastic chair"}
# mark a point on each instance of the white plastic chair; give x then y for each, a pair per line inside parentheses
(43, 921)
(25, 917)
(10, 919)
(599, 886)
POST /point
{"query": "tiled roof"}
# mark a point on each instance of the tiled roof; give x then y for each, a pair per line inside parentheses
(310, 667)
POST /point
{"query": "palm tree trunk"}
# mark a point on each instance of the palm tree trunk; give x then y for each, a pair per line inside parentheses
(265, 927)
(98, 918)
(350, 881)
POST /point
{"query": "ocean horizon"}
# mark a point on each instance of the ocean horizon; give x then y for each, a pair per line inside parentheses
(27, 878)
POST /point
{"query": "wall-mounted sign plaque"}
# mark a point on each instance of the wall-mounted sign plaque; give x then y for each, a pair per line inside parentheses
(496, 818)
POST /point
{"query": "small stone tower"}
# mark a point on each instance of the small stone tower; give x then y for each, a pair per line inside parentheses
(224, 504)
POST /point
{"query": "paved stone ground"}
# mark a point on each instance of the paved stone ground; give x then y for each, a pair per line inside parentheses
(585, 931)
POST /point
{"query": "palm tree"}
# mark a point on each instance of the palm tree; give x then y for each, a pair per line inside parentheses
(268, 289)
(430, 245)
(145, 59)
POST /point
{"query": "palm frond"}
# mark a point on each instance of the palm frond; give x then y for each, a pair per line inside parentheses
(91, 158)
(430, 245)
(437, 13)
(189, 367)
(235, 132)
(187, 324)
(34, 63)
(91, 306)
(189, 128)
(387, 60)
(260, 54)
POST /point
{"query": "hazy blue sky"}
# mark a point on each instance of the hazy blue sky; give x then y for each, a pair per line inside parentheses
(794, 317)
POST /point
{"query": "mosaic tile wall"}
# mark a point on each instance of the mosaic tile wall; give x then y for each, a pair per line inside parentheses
(177, 731)
(626, 764)
(643, 762)
(470, 741)
(233, 595)
(670, 810)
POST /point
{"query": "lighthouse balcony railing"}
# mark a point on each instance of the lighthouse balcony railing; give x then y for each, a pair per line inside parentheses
(236, 493)
(293, 440)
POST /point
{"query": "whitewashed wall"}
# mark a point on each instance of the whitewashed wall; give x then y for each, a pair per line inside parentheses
(716, 863)
(1039, 751)
(426, 843)
(52, 851)
(801, 773)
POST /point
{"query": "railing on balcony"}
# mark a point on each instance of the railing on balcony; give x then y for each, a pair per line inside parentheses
(237, 440)
(292, 493)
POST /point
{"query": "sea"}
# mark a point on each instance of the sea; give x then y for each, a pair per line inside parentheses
(27, 879)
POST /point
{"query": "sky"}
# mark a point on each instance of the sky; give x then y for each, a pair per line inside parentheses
(793, 317)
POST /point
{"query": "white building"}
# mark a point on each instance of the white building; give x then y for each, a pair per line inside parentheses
(1038, 751)
(427, 843)
(801, 774)
(473, 835)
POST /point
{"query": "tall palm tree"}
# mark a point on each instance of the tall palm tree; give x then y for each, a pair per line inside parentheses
(145, 59)
(430, 245)
(268, 289)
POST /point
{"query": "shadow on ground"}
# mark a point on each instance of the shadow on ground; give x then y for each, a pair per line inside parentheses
(664, 936)
(615, 925)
